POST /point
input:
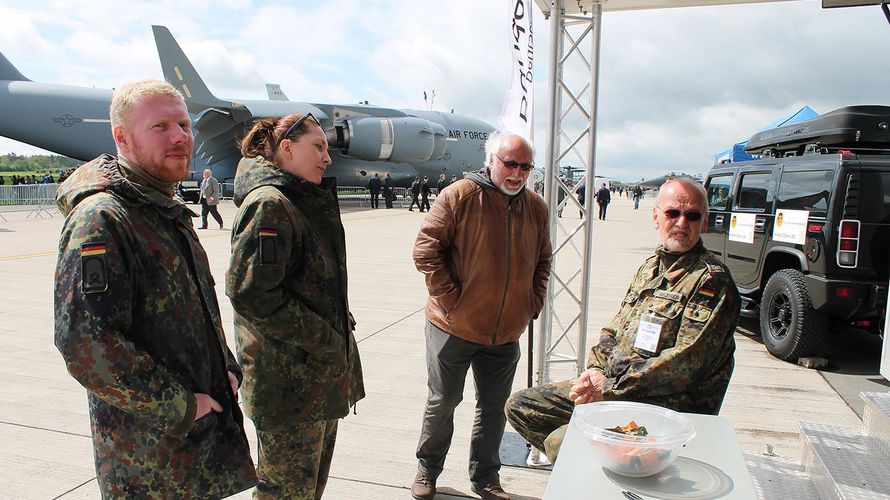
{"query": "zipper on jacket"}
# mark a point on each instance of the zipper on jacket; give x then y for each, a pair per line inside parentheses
(497, 325)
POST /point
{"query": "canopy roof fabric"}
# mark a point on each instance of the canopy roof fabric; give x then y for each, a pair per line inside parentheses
(737, 151)
(585, 6)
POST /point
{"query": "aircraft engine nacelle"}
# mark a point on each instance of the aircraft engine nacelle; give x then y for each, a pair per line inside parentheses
(399, 139)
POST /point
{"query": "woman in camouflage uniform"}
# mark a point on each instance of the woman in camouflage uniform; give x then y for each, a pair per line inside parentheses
(287, 283)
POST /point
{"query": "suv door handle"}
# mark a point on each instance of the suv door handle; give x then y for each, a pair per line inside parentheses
(759, 224)
(718, 220)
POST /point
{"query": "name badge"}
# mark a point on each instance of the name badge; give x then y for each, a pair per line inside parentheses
(648, 334)
(664, 294)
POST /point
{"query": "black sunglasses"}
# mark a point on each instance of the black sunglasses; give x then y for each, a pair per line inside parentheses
(673, 213)
(511, 164)
(296, 126)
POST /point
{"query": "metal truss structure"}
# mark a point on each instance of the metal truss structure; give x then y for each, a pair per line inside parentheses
(571, 125)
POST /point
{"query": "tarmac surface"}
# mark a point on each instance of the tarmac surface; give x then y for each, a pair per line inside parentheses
(44, 425)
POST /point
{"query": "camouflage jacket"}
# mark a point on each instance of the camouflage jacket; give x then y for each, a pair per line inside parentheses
(287, 282)
(138, 324)
(699, 303)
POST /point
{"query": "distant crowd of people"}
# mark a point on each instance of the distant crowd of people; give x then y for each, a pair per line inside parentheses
(46, 178)
(420, 190)
(602, 196)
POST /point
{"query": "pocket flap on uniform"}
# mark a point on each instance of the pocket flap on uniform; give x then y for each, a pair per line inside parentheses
(666, 308)
(697, 312)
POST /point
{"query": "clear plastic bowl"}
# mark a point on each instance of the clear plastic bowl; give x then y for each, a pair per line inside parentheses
(634, 456)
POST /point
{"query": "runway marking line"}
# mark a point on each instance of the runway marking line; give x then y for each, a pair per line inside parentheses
(29, 256)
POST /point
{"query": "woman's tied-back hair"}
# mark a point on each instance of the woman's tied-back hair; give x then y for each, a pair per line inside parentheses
(132, 93)
(263, 137)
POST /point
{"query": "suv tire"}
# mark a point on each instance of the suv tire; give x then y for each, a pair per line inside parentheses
(789, 325)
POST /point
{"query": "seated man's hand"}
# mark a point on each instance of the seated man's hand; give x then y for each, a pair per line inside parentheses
(588, 387)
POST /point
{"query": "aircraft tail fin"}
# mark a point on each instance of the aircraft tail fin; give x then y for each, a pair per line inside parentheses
(275, 93)
(9, 72)
(178, 70)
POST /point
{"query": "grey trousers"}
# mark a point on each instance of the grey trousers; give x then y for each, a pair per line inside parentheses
(447, 359)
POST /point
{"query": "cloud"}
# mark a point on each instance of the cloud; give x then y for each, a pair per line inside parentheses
(676, 85)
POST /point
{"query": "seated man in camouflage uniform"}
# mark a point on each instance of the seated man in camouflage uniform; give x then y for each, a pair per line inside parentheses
(671, 343)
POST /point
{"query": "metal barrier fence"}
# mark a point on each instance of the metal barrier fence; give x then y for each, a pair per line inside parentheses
(37, 199)
(348, 195)
(361, 196)
(227, 189)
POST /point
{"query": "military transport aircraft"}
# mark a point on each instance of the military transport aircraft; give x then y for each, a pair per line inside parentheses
(656, 182)
(364, 140)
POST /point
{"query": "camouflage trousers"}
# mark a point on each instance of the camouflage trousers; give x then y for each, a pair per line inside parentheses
(294, 460)
(541, 415)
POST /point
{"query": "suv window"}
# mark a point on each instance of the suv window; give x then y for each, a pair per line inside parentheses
(718, 190)
(754, 191)
(874, 201)
(805, 191)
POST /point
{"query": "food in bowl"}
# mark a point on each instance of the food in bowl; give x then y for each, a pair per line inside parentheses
(629, 452)
(631, 429)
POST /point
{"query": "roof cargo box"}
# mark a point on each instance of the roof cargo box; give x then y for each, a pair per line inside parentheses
(854, 127)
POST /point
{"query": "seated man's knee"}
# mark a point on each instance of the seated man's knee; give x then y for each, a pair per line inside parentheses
(516, 405)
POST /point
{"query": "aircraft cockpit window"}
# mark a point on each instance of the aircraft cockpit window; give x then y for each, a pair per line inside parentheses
(718, 190)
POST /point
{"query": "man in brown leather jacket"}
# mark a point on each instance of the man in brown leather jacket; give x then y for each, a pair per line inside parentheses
(484, 249)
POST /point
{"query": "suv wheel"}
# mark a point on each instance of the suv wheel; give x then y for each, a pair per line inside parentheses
(789, 325)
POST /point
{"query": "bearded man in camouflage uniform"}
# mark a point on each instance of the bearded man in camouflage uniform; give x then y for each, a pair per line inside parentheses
(136, 316)
(671, 343)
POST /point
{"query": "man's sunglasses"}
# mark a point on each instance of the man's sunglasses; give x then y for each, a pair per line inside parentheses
(511, 164)
(673, 213)
(296, 126)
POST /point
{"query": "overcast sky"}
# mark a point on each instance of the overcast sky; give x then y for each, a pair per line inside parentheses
(677, 85)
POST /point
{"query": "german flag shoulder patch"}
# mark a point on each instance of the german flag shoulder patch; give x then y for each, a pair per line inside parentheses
(268, 245)
(93, 267)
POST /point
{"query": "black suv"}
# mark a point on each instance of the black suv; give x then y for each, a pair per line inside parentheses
(190, 188)
(805, 229)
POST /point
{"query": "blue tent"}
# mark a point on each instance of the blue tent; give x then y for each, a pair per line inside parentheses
(737, 151)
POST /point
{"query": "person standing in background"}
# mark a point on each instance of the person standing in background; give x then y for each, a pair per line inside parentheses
(415, 194)
(603, 197)
(425, 194)
(388, 192)
(374, 189)
(210, 194)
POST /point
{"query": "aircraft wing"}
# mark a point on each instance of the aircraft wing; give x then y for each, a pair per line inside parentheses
(585, 6)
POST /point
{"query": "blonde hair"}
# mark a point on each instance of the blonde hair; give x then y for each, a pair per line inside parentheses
(132, 93)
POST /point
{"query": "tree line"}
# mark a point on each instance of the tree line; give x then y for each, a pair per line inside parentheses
(12, 162)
